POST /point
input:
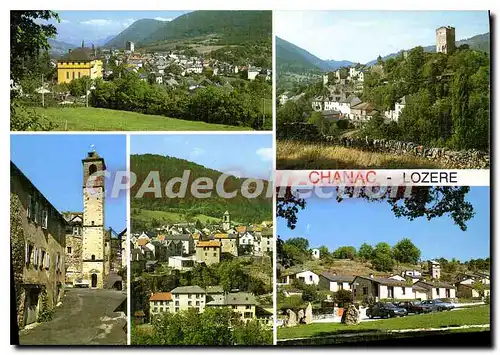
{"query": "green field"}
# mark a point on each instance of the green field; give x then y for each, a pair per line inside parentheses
(169, 217)
(100, 119)
(469, 316)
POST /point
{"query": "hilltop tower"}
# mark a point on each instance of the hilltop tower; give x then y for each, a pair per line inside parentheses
(226, 221)
(445, 39)
(93, 233)
(434, 270)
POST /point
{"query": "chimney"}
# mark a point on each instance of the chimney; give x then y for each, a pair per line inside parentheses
(371, 276)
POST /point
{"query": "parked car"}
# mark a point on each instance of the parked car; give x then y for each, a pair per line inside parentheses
(385, 310)
(415, 307)
(438, 305)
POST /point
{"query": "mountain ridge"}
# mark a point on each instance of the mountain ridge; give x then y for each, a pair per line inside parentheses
(299, 58)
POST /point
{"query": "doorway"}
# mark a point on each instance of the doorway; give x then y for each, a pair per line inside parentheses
(94, 280)
(31, 306)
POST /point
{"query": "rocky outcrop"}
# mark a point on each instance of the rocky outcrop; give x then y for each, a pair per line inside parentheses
(350, 315)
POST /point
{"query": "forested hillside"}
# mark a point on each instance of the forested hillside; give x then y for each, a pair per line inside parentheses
(242, 209)
(447, 98)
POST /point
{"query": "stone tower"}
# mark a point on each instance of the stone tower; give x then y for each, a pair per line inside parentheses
(226, 221)
(434, 270)
(93, 234)
(445, 39)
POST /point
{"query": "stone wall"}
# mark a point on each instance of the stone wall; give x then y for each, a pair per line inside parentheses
(463, 159)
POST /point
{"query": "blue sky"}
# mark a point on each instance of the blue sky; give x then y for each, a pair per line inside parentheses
(243, 155)
(360, 36)
(76, 26)
(356, 221)
(53, 163)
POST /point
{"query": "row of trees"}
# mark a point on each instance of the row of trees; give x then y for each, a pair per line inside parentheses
(239, 107)
(382, 257)
(213, 327)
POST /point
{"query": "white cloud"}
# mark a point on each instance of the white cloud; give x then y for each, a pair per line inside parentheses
(265, 154)
(97, 22)
(308, 228)
(65, 21)
(163, 19)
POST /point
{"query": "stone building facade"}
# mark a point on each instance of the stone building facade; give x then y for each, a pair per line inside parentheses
(37, 250)
(73, 247)
(93, 237)
(445, 39)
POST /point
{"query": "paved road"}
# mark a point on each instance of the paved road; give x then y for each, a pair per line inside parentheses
(86, 317)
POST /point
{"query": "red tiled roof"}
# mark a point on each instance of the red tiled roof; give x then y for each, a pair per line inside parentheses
(161, 296)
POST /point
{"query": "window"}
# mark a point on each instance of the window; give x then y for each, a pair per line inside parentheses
(447, 293)
(92, 257)
(341, 286)
(92, 169)
(248, 315)
(198, 309)
(176, 303)
(155, 309)
(73, 75)
(69, 250)
(437, 291)
(365, 290)
(36, 212)
(28, 252)
(206, 254)
(235, 307)
(42, 258)
(29, 210)
(79, 74)
(47, 261)
(403, 290)
(189, 295)
(45, 217)
(310, 278)
(197, 303)
(215, 255)
(67, 75)
(177, 309)
(92, 222)
(190, 303)
(248, 307)
(197, 295)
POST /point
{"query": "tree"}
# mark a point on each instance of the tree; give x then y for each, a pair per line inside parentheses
(301, 243)
(252, 333)
(28, 36)
(343, 296)
(345, 252)
(365, 251)
(406, 252)
(382, 258)
(382, 262)
(309, 293)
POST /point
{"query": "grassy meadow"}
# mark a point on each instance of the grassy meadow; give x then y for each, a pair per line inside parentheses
(100, 119)
(470, 316)
(294, 155)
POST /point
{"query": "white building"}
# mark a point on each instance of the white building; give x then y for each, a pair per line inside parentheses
(315, 253)
(308, 277)
(283, 98)
(253, 72)
(181, 263)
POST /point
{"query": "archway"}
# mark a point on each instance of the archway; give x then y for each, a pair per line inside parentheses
(94, 280)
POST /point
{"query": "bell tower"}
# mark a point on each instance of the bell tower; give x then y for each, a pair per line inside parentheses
(93, 233)
(226, 221)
